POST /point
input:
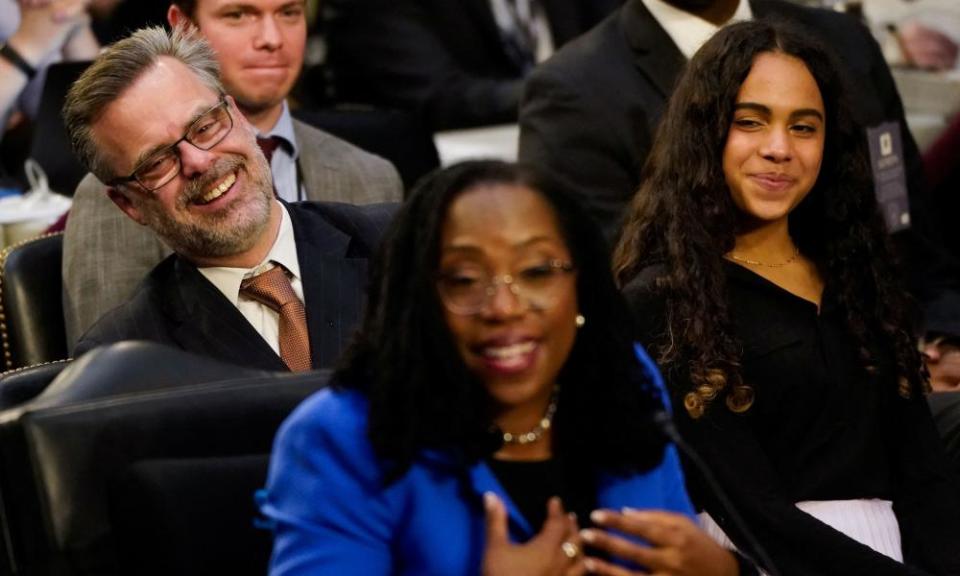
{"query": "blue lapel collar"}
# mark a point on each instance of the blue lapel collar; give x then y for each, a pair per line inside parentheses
(482, 480)
(478, 480)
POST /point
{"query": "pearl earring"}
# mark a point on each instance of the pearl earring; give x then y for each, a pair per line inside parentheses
(580, 321)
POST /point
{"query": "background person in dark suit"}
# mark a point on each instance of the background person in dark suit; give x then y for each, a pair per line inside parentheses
(260, 48)
(459, 62)
(152, 107)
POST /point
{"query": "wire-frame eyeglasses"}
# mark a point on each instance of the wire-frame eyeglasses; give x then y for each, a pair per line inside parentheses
(159, 168)
(467, 292)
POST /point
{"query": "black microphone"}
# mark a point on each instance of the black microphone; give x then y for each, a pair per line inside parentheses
(665, 424)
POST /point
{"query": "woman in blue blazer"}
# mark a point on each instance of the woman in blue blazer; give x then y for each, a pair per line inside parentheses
(492, 415)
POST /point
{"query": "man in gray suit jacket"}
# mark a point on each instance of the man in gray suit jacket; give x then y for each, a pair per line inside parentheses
(253, 280)
(259, 47)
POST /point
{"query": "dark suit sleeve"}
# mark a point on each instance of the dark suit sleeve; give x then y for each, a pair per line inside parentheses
(132, 320)
(929, 269)
(887, 95)
(389, 50)
(563, 134)
(927, 510)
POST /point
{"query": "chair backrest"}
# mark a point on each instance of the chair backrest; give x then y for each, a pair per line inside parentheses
(69, 454)
(191, 516)
(31, 302)
(51, 146)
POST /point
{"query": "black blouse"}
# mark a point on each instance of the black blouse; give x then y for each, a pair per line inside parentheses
(531, 484)
(820, 428)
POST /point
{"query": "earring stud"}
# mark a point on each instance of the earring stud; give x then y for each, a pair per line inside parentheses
(580, 321)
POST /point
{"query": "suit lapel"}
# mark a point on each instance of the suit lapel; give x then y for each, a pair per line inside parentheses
(482, 480)
(654, 52)
(332, 284)
(205, 322)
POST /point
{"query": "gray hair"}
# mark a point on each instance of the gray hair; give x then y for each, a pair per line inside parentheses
(116, 69)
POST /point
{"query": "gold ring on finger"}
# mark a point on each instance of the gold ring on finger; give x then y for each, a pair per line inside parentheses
(570, 550)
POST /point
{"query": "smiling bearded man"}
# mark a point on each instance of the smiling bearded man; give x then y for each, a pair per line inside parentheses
(253, 280)
(259, 47)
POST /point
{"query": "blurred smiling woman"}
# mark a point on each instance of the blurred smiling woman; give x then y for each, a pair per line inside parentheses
(492, 390)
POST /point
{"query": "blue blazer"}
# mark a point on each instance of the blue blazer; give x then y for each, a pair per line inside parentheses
(331, 513)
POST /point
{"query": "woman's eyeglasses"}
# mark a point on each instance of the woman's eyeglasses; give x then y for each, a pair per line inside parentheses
(467, 292)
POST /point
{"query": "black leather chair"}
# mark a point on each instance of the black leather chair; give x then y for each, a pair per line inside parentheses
(21, 385)
(191, 516)
(141, 459)
(31, 302)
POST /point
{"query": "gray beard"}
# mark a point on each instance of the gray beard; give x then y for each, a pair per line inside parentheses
(211, 238)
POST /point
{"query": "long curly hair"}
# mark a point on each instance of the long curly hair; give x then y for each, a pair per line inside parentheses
(421, 394)
(684, 218)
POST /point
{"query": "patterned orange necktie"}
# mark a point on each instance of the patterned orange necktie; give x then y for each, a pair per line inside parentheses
(272, 289)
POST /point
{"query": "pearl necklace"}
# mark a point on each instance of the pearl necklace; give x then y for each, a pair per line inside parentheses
(790, 260)
(537, 432)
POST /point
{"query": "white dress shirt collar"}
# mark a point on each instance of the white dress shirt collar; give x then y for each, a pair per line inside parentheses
(283, 252)
(687, 31)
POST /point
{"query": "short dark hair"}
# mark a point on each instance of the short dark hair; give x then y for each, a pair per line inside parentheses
(684, 217)
(421, 392)
(186, 6)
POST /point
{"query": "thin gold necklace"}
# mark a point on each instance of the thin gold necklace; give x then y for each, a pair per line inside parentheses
(790, 260)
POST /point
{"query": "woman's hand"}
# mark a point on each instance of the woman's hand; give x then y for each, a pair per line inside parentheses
(677, 545)
(546, 554)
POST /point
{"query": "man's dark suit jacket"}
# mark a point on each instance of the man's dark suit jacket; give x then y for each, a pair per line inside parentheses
(178, 306)
(443, 58)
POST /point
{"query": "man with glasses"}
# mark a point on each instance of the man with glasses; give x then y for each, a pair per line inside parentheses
(260, 47)
(253, 280)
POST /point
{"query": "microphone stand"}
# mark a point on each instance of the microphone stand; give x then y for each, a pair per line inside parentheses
(665, 423)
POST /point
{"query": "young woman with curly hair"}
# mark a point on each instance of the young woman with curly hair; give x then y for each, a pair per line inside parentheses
(757, 265)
